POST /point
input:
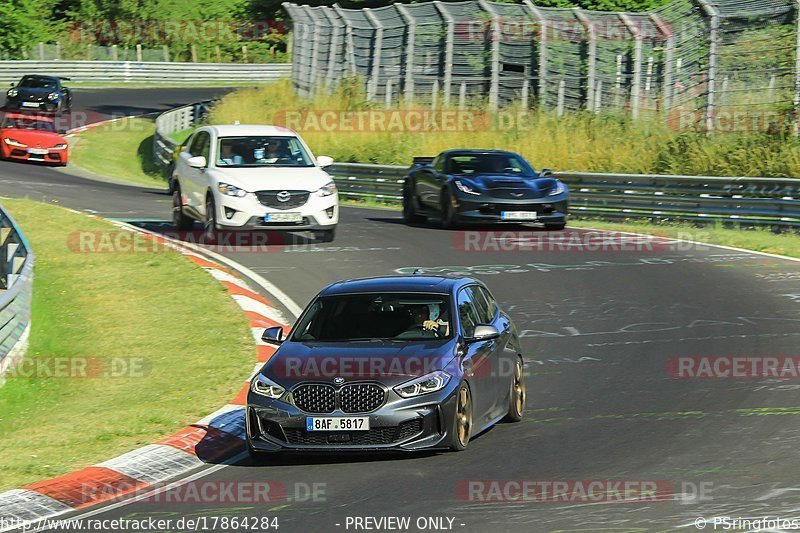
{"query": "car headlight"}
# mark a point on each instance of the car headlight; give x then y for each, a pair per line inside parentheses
(558, 189)
(14, 142)
(266, 387)
(12, 93)
(327, 189)
(432, 382)
(463, 187)
(231, 190)
(52, 96)
(60, 146)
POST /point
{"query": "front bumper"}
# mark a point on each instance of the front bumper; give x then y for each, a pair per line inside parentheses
(247, 213)
(411, 424)
(33, 105)
(48, 155)
(484, 208)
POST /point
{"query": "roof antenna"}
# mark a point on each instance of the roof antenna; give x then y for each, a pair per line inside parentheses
(236, 122)
(417, 272)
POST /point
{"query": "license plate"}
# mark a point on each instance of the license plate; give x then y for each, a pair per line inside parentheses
(38, 151)
(518, 215)
(337, 423)
(30, 104)
(283, 217)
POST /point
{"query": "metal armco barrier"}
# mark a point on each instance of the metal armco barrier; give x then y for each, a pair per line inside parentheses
(149, 72)
(16, 282)
(743, 200)
(751, 201)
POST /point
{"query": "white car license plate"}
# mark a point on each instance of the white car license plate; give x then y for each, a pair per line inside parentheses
(283, 217)
(30, 104)
(337, 423)
(518, 215)
(38, 151)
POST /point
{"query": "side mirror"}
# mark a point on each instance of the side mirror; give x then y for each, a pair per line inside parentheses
(13, 84)
(324, 161)
(545, 172)
(484, 332)
(273, 335)
(197, 161)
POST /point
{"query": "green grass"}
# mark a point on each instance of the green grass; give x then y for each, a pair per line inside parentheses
(120, 151)
(158, 306)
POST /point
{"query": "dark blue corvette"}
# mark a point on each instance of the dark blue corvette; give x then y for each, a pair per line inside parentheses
(396, 363)
(491, 186)
(43, 93)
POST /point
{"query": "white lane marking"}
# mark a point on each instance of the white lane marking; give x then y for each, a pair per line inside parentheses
(254, 306)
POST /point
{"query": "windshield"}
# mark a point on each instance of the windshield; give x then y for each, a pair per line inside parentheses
(37, 83)
(262, 152)
(488, 164)
(363, 317)
(27, 123)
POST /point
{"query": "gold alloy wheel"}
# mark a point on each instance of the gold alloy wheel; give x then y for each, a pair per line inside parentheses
(464, 416)
(519, 388)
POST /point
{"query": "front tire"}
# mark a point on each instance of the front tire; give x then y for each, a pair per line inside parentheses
(210, 223)
(449, 216)
(516, 401)
(462, 419)
(410, 215)
(179, 218)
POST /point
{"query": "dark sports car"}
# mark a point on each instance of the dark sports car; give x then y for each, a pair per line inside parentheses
(35, 92)
(394, 363)
(483, 186)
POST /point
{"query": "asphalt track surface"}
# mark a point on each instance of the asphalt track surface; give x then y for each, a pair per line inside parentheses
(598, 329)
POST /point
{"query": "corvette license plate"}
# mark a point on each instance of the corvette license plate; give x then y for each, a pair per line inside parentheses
(283, 217)
(38, 151)
(518, 215)
(30, 104)
(337, 423)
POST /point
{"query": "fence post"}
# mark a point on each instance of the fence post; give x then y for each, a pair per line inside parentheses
(562, 86)
(388, 96)
(592, 66)
(165, 51)
(434, 94)
(448, 50)
(542, 50)
(797, 71)
(41, 51)
(713, 47)
(314, 48)
(58, 49)
(526, 89)
(350, 47)
(669, 53)
(411, 28)
(193, 49)
(462, 96)
(333, 46)
(376, 53)
(114, 53)
(636, 84)
(139, 53)
(494, 87)
(598, 96)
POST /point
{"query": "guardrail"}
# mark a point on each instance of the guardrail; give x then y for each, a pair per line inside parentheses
(16, 282)
(149, 72)
(750, 201)
(742, 200)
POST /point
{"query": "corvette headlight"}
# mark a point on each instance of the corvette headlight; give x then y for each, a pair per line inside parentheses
(231, 190)
(12, 93)
(463, 187)
(558, 189)
(60, 146)
(266, 387)
(327, 189)
(432, 382)
(14, 142)
(52, 96)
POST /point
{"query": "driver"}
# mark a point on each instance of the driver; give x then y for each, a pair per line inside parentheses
(277, 150)
(427, 317)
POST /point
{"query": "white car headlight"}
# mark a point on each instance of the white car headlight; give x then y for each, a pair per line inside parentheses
(558, 189)
(266, 387)
(327, 189)
(60, 146)
(12, 93)
(52, 96)
(14, 142)
(231, 190)
(463, 187)
(432, 382)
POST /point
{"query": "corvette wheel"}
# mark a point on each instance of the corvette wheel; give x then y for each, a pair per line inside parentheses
(449, 216)
(409, 210)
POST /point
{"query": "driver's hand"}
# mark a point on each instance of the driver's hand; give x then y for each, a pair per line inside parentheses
(430, 324)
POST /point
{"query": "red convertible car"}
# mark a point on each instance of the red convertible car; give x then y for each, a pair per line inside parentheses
(32, 137)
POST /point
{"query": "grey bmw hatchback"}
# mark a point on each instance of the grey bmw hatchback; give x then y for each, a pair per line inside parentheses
(391, 363)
